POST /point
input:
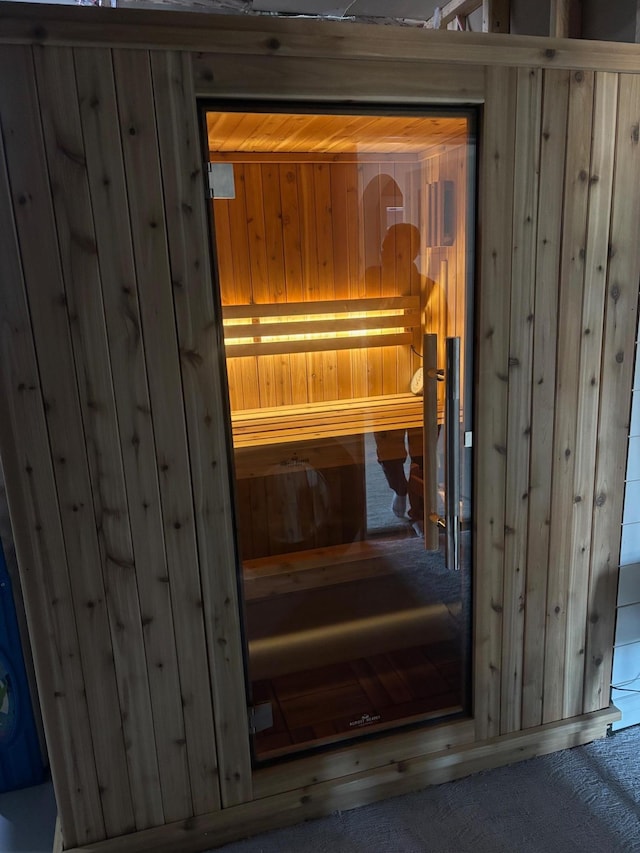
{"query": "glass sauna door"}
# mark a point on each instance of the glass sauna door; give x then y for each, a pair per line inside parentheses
(343, 247)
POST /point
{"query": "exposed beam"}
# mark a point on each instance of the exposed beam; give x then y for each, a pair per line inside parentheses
(566, 19)
(496, 16)
(450, 11)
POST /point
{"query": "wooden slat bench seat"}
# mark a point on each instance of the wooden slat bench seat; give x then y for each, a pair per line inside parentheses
(284, 424)
(321, 611)
(271, 576)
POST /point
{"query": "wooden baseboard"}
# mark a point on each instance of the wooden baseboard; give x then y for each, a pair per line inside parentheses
(356, 789)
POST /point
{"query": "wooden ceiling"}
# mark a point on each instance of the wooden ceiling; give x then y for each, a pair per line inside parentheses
(329, 134)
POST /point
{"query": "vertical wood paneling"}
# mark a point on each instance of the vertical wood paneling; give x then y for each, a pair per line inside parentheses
(372, 202)
(80, 267)
(265, 241)
(588, 392)
(289, 200)
(574, 226)
(155, 284)
(342, 263)
(258, 265)
(201, 370)
(620, 322)
(326, 269)
(402, 356)
(280, 364)
(301, 237)
(356, 240)
(98, 108)
(48, 302)
(525, 225)
(552, 158)
(116, 424)
(493, 356)
(37, 529)
(235, 282)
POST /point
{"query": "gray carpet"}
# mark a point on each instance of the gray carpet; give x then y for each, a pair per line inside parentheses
(581, 799)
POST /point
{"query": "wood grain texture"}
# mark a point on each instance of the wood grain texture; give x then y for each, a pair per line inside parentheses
(219, 74)
(621, 307)
(313, 39)
(290, 225)
(565, 438)
(497, 181)
(155, 285)
(359, 788)
(48, 291)
(105, 168)
(565, 19)
(552, 159)
(496, 16)
(200, 349)
(37, 528)
(80, 266)
(525, 229)
(588, 392)
(113, 341)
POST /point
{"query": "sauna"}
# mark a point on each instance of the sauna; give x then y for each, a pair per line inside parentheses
(345, 259)
(317, 353)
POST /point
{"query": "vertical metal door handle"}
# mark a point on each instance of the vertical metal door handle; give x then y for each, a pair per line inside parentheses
(452, 456)
(430, 439)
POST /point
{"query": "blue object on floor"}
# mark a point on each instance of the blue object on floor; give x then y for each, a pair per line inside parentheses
(20, 758)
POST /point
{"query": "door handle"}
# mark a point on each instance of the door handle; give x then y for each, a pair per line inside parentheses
(432, 521)
(452, 455)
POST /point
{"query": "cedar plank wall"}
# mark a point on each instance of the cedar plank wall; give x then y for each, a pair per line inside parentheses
(114, 507)
(262, 259)
(113, 435)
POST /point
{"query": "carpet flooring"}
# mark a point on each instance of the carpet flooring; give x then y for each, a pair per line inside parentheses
(582, 799)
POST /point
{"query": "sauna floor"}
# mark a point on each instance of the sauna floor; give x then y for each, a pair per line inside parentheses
(340, 701)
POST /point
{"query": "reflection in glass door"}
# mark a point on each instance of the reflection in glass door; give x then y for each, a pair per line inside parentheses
(343, 247)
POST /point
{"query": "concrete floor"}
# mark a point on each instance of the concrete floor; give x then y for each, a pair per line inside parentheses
(27, 820)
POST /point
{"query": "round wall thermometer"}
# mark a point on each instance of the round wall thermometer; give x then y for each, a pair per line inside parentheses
(417, 382)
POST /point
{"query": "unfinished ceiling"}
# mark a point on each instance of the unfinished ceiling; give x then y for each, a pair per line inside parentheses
(417, 9)
(403, 12)
(329, 134)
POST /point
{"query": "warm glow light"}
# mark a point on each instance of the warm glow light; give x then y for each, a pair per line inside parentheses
(348, 326)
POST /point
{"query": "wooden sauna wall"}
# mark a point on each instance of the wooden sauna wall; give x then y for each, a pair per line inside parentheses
(557, 310)
(113, 435)
(111, 382)
(306, 231)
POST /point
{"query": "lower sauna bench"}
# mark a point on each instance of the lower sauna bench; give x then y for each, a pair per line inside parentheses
(288, 633)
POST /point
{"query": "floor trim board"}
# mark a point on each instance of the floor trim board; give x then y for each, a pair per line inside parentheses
(394, 778)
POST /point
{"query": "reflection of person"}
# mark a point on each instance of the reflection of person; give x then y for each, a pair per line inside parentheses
(399, 274)
(392, 447)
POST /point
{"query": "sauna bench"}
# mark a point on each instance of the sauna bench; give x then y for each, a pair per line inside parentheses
(365, 600)
(286, 424)
(309, 455)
